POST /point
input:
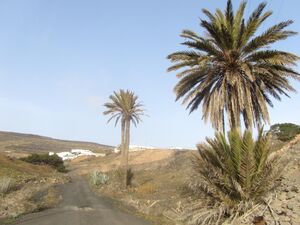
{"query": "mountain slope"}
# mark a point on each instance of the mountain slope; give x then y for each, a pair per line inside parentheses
(29, 143)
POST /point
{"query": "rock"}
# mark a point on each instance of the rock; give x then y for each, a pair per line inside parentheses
(285, 223)
(259, 220)
(280, 211)
(281, 197)
(295, 189)
(290, 206)
(289, 214)
(290, 195)
(277, 207)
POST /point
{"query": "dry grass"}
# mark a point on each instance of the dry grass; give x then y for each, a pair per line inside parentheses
(146, 189)
(113, 161)
(7, 185)
(18, 169)
(158, 184)
(16, 143)
(159, 187)
(20, 181)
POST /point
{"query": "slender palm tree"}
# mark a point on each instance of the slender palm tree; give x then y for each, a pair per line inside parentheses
(231, 70)
(125, 107)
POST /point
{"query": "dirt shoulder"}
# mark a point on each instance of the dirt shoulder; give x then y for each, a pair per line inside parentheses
(159, 192)
(32, 187)
(158, 185)
(80, 206)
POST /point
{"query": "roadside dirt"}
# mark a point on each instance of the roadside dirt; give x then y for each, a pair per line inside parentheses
(80, 206)
(85, 165)
(158, 186)
(31, 187)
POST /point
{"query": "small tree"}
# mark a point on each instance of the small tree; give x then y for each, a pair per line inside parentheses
(233, 174)
(125, 107)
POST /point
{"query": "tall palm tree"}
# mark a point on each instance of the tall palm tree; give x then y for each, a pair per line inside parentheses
(125, 107)
(231, 70)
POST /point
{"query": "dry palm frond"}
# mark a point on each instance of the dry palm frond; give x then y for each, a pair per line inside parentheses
(232, 71)
(124, 105)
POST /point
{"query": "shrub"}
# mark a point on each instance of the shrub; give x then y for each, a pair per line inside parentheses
(129, 177)
(45, 159)
(119, 175)
(285, 131)
(98, 178)
(7, 185)
(232, 175)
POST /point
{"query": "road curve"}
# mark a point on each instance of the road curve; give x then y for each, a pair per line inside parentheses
(80, 206)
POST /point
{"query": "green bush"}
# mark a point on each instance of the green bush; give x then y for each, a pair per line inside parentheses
(45, 159)
(231, 175)
(98, 178)
(285, 131)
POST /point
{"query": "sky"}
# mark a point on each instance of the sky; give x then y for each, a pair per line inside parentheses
(61, 59)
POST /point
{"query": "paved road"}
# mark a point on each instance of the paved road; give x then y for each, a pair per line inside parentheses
(80, 206)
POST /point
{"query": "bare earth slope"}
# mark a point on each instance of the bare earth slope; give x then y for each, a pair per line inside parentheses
(84, 165)
(28, 180)
(158, 186)
(28, 143)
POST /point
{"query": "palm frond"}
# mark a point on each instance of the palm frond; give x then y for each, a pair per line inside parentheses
(232, 174)
(124, 105)
(232, 71)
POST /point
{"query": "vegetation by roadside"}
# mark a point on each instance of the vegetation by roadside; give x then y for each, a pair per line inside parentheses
(7, 185)
(231, 71)
(157, 189)
(285, 131)
(124, 106)
(161, 189)
(233, 175)
(45, 159)
(26, 187)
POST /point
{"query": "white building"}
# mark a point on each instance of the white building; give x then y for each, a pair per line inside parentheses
(135, 148)
(74, 153)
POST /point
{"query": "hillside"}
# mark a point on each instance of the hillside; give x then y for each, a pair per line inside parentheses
(26, 188)
(27, 143)
(159, 184)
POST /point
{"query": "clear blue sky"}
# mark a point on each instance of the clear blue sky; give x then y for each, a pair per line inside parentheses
(61, 59)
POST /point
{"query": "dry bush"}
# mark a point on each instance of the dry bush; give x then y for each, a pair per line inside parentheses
(119, 174)
(7, 185)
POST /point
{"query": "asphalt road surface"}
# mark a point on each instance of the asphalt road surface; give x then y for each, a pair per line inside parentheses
(80, 206)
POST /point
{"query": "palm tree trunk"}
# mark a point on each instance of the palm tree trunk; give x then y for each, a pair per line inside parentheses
(127, 141)
(123, 142)
(235, 121)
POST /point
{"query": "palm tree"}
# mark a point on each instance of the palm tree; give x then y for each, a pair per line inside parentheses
(233, 174)
(231, 71)
(124, 107)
